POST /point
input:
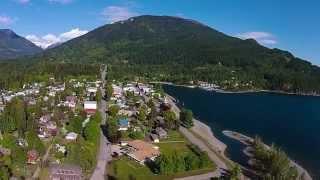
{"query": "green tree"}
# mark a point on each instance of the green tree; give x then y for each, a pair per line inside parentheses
(272, 163)
(34, 142)
(75, 125)
(235, 172)
(142, 114)
(15, 117)
(98, 96)
(191, 161)
(4, 172)
(186, 118)
(171, 120)
(113, 110)
(92, 131)
(135, 134)
(109, 91)
(112, 129)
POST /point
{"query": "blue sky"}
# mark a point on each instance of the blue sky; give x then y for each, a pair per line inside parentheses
(287, 24)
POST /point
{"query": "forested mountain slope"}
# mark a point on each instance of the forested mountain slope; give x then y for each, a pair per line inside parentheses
(13, 45)
(179, 50)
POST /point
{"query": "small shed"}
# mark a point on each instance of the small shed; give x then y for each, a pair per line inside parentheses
(154, 138)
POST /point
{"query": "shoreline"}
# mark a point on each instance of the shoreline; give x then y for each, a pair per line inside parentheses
(240, 91)
(246, 140)
(202, 136)
(204, 131)
(206, 134)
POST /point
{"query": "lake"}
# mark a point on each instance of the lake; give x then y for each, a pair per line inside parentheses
(291, 122)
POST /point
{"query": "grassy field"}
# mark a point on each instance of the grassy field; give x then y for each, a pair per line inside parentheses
(174, 142)
(125, 168)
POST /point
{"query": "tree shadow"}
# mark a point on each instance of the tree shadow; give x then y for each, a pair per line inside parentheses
(104, 129)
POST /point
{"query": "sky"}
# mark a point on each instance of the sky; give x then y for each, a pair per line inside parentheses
(291, 25)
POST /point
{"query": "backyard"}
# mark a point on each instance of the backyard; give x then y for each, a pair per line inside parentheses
(124, 168)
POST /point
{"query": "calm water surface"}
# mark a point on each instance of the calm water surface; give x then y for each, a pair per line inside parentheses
(291, 122)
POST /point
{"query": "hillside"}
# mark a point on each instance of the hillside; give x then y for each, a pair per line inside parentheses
(13, 45)
(175, 49)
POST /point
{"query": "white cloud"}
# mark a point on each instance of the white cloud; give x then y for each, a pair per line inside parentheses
(264, 38)
(61, 1)
(50, 39)
(117, 13)
(6, 20)
(72, 34)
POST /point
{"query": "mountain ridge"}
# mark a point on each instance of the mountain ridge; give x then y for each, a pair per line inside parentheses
(14, 46)
(167, 48)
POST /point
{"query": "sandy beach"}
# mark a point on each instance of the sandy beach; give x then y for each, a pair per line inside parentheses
(206, 133)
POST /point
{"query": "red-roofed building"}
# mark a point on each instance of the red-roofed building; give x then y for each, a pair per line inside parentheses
(32, 157)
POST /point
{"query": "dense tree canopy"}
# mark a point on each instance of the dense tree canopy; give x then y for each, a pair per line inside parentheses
(272, 163)
(186, 118)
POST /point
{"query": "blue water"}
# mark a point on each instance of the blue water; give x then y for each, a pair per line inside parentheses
(291, 122)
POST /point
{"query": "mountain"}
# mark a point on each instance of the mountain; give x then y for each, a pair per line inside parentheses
(13, 45)
(174, 49)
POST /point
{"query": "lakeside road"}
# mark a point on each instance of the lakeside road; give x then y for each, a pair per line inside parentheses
(104, 155)
(207, 143)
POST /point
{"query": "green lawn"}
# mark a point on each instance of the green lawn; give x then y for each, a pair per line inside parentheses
(125, 168)
(174, 142)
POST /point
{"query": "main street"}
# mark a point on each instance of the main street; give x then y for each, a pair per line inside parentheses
(104, 155)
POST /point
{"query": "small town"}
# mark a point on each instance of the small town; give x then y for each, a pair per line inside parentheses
(159, 90)
(88, 128)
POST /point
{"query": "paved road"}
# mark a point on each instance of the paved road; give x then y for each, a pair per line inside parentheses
(105, 147)
(207, 176)
(44, 158)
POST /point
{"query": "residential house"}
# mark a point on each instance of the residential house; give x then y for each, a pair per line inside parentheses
(90, 107)
(160, 121)
(123, 112)
(91, 91)
(32, 157)
(47, 129)
(45, 119)
(71, 101)
(161, 132)
(4, 151)
(71, 136)
(142, 151)
(144, 88)
(65, 172)
(117, 91)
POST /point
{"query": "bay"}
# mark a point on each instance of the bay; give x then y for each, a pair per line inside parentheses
(291, 122)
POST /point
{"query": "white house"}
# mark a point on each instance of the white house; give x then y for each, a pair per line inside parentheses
(92, 90)
(71, 136)
(90, 107)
